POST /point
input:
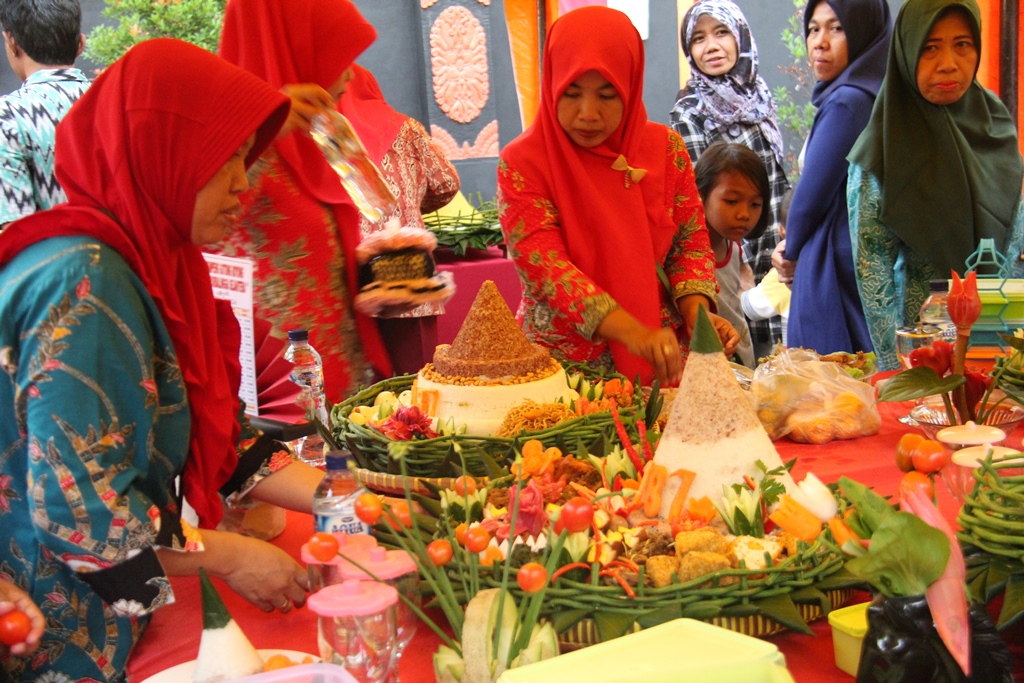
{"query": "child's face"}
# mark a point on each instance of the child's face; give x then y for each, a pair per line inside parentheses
(733, 206)
(713, 46)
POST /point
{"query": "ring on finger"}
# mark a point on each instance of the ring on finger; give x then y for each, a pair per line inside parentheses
(285, 605)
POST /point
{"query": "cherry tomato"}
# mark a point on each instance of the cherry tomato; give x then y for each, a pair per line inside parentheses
(491, 555)
(576, 515)
(323, 546)
(929, 456)
(460, 533)
(916, 480)
(905, 451)
(440, 552)
(368, 508)
(465, 486)
(399, 516)
(477, 539)
(532, 577)
(14, 627)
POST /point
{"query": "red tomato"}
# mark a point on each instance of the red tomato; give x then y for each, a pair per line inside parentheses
(916, 480)
(532, 577)
(323, 546)
(905, 451)
(368, 508)
(399, 515)
(929, 456)
(576, 515)
(440, 552)
(460, 533)
(477, 539)
(465, 486)
(14, 627)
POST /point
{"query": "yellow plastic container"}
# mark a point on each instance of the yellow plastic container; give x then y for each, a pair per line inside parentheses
(683, 649)
(849, 625)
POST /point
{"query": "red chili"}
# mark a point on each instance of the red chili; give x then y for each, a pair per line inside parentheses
(626, 443)
(641, 429)
(622, 582)
(625, 564)
(568, 567)
(750, 482)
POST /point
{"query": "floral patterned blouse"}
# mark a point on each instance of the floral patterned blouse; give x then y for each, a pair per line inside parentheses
(891, 277)
(422, 179)
(562, 306)
(94, 429)
(300, 271)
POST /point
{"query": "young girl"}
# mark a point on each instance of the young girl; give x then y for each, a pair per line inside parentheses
(733, 185)
(726, 99)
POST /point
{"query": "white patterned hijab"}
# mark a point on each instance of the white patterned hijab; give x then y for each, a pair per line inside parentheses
(739, 96)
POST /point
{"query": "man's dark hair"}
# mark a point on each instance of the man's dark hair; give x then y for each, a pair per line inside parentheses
(47, 30)
(787, 199)
(721, 157)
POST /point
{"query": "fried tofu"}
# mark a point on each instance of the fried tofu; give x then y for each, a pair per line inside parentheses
(752, 551)
(704, 539)
(698, 563)
(661, 569)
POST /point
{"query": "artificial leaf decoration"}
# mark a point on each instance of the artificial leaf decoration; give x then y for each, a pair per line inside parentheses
(917, 383)
(705, 338)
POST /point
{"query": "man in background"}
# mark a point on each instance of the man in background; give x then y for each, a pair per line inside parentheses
(42, 38)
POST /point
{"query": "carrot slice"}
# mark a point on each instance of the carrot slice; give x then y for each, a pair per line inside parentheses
(795, 519)
(686, 478)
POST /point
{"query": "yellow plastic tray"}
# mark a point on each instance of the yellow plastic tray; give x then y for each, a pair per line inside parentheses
(849, 625)
(684, 649)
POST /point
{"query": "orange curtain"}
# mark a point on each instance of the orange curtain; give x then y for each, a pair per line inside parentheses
(988, 70)
(521, 17)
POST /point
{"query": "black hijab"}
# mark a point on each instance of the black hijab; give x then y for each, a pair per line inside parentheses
(868, 28)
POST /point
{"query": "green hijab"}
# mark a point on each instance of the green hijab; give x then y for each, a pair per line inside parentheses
(950, 174)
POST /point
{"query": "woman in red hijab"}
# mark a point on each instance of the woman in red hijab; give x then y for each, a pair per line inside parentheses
(601, 213)
(298, 223)
(122, 370)
(422, 180)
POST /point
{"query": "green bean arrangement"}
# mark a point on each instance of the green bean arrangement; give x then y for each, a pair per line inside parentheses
(992, 516)
(425, 457)
(477, 230)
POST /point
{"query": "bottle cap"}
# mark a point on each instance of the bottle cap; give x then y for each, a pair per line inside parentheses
(337, 460)
(299, 334)
(382, 563)
(933, 286)
(352, 598)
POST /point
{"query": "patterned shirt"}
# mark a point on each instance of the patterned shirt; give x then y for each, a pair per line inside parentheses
(699, 132)
(562, 306)
(94, 428)
(28, 121)
(892, 277)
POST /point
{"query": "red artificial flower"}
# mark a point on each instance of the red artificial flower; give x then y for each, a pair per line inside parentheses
(407, 423)
(963, 302)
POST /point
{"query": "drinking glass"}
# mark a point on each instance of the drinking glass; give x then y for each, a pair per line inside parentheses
(910, 338)
(356, 628)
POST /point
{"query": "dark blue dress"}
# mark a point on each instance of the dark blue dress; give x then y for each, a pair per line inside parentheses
(825, 312)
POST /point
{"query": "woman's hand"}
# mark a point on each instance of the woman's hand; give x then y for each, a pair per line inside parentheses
(658, 346)
(260, 572)
(308, 100)
(13, 598)
(786, 269)
(688, 307)
(263, 574)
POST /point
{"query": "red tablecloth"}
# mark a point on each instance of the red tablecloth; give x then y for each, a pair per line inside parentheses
(173, 635)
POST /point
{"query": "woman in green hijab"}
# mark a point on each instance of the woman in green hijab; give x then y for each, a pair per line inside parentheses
(936, 170)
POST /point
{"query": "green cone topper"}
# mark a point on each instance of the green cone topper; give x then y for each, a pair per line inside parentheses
(705, 337)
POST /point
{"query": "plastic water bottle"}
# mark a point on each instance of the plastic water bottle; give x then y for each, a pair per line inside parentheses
(334, 502)
(934, 311)
(308, 373)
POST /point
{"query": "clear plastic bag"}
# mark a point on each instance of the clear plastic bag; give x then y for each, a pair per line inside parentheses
(812, 401)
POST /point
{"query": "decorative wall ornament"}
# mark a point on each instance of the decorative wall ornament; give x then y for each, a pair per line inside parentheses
(458, 63)
(486, 144)
(485, 3)
(426, 4)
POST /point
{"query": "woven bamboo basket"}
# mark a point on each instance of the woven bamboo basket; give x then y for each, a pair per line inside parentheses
(424, 457)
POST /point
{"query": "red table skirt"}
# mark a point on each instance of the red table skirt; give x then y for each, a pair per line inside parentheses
(173, 635)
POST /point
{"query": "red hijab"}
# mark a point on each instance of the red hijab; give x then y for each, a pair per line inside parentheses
(308, 41)
(298, 41)
(376, 123)
(132, 154)
(602, 219)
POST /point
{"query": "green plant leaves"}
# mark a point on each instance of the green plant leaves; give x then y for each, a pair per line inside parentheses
(917, 383)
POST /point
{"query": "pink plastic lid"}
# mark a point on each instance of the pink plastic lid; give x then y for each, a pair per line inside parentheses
(352, 599)
(353, 545)
(384, 564)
